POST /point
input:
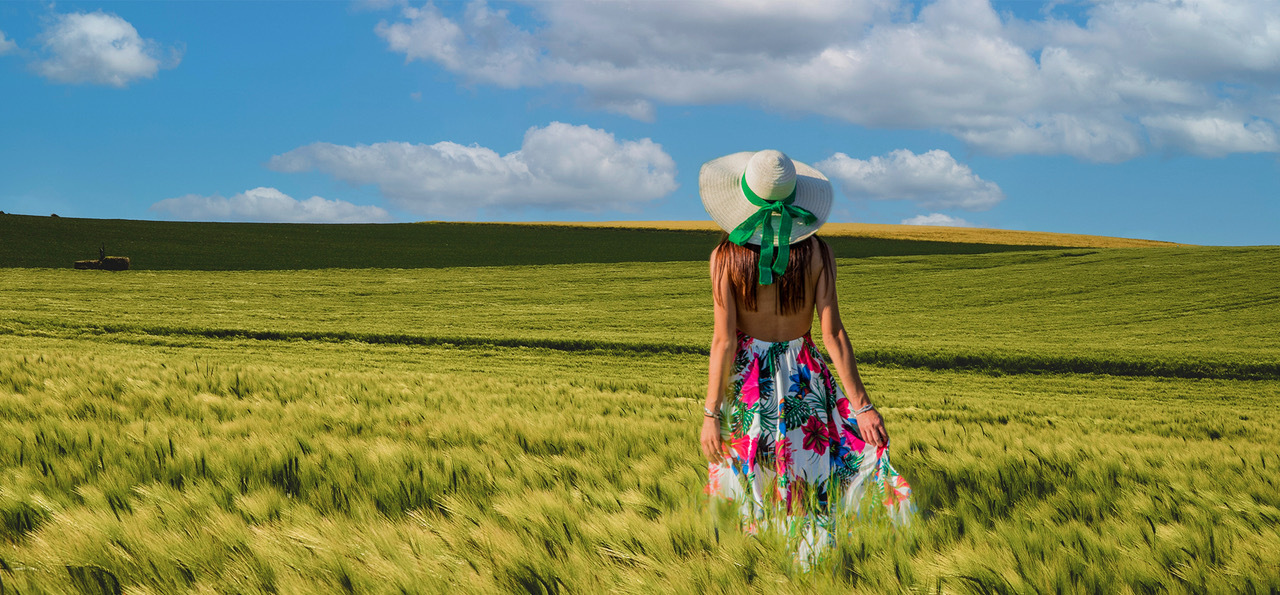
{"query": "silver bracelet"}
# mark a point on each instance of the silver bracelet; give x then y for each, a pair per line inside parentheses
(707, 413)
(868, 407)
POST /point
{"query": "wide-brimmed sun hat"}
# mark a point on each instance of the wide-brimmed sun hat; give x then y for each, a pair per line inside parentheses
(765, 198)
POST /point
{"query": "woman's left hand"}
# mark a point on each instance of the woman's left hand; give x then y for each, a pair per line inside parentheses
(711, 439)
(871, 426)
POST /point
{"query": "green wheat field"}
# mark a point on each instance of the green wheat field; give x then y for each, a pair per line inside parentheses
(424, 408)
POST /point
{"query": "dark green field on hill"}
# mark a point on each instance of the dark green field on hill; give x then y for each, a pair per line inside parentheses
(56, 242)
(522, 415)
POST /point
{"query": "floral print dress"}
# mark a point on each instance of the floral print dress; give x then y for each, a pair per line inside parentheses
(794, 460)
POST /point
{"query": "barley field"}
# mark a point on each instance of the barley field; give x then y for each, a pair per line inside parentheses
(1100, 420)
(1187, 311)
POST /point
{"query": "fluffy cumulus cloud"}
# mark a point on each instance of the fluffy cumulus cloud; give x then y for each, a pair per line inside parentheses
(1191, 75)
(268, 205)
(937, 219)
(933, 180)
(99, 48)
(559, 166)
(6, 45)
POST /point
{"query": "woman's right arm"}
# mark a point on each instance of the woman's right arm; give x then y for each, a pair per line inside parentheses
(723, 348)
(836, 340)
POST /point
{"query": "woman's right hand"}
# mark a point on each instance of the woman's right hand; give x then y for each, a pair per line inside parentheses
(711, 439)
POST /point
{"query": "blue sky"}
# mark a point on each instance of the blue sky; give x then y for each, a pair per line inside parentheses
(1147, 119)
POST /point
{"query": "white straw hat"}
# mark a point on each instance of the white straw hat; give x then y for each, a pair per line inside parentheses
(771, 175)
(765, 198)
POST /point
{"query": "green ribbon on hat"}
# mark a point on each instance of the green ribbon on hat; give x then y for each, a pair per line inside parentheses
(775, 248)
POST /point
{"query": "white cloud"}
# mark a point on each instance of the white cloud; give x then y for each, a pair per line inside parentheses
(1212, 136)
(937, 219)
(491, 50)
(933, 180)
(638, 109)
(6, 45)
(560, 167)
(1002, 84)
(269, 205)
(1095, 138)
(375, 5)
(1206, 40)
(99, 48)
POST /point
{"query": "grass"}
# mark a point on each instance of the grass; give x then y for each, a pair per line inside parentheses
(1190, 312)
(219, 465)
(1071, 420)
(48, 242)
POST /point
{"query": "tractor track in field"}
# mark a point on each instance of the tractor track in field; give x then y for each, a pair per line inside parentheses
(990, 363)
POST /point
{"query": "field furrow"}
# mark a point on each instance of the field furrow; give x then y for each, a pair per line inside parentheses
(989, 363)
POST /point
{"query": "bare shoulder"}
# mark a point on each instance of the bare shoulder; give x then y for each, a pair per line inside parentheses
(820, 251)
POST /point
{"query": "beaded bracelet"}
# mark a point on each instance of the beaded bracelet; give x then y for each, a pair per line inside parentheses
(707, 413)
(868, 407)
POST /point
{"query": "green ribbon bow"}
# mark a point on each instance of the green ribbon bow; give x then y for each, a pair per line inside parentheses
(775, 248)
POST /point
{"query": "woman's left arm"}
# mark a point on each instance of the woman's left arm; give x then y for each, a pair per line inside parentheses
(723, 348)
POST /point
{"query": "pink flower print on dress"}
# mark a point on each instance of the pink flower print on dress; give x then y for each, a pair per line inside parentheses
(806, 359)
(741, 447)
(898, 492)
(842, 404)
(751, 384)
(815, 435)
(854, 441)
(782, 456)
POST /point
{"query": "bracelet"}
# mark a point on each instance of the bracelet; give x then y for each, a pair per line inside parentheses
(707, 413)
(868, 407)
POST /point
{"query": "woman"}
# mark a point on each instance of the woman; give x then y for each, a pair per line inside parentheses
(779, 434)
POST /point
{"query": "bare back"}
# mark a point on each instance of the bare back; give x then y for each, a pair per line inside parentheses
(765, 323)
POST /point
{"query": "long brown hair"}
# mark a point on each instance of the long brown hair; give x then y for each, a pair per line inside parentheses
(741, 264)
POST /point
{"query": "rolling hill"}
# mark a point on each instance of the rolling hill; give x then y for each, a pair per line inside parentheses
(55, 242)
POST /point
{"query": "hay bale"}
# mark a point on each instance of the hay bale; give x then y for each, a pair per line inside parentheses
(108, 263)
(115, 263)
